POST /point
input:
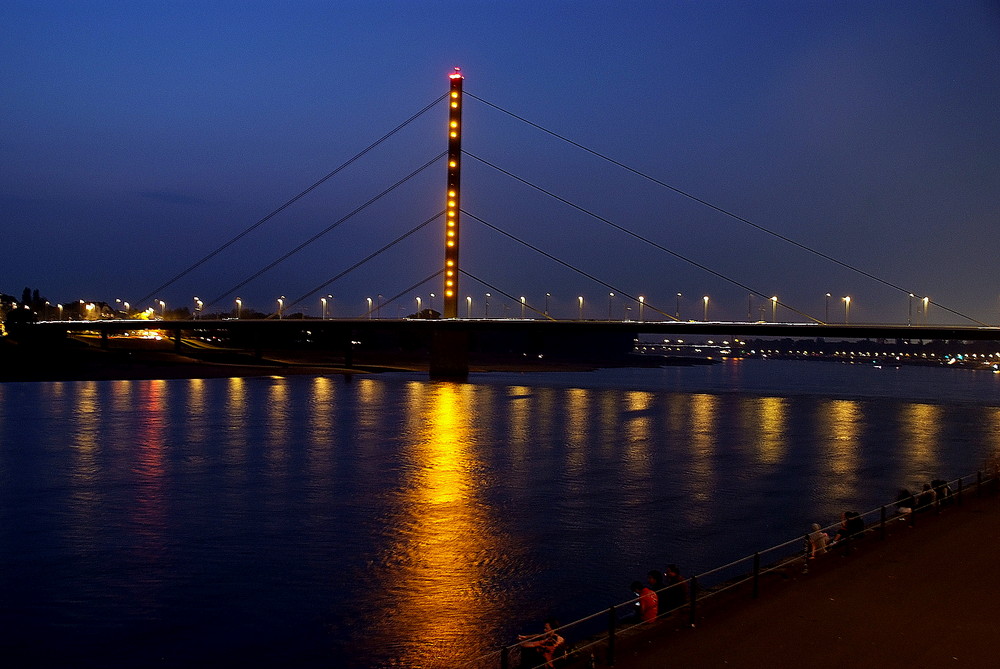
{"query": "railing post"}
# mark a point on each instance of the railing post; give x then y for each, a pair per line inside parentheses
(881, 525)
(692, 605)
(504, 657)
(612, 625)
(756, 575)
(807, 553)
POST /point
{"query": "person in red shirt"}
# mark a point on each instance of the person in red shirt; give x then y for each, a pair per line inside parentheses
(647, 602)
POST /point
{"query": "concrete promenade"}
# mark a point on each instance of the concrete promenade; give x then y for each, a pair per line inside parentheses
(926, 596)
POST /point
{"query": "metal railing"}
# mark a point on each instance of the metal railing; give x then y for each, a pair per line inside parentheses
(592, 641)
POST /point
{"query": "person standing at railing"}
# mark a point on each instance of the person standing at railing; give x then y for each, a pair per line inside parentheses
(818, 541)
(647, 602)
(676, 592)
(655, 580)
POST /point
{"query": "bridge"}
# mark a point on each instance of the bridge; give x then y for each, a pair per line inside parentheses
(449, 333)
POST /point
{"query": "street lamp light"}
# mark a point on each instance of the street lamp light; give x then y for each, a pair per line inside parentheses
(369, 307)
(198, 304)
(926, 301)
(468, 306)
(677, 307)
(522, 307)
(322, 302)
(163, 310)
(774, 308)
(642, 303)
(706, 308)
(239, 308)
(827, 318)
(581, 306)
(486, 307)
(847, 309)
(281, 306)
(547, 296)
(60, 307)
(418, 307)
(611, 297)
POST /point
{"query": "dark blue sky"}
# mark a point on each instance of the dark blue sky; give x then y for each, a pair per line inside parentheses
(139, 136)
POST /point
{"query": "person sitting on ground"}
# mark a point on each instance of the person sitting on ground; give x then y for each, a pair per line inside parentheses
(655, 580)
(676, 592)
(647, 603)
(852, 526)
(548, 644)
(926, 498)
(942, 491)
(818, 541)
(904, 502)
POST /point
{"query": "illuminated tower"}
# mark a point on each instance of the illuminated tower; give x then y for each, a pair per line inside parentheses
(454, 192)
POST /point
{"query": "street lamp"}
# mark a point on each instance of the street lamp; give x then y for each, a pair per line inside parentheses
(909, 312)
(198, 304)
(522, 307)
(847, 309)
(677, 307)
(163, 310)
(581, 306)
(468, 306)
(774, 308)
(418, 307)
(378, 313)
(611, 297)
(486, 307)
(705, 299)
(642, 302)
(432, 302)
(322, 302)
(827, 318)
(239, 308)
(926, 301)
(369, 307)
(547, 296)
(281, 306)
(60, 307)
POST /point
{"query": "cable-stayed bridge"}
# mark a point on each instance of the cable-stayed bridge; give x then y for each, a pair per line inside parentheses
(627, 312)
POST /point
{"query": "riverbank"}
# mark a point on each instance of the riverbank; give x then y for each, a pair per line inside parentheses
(929, 595)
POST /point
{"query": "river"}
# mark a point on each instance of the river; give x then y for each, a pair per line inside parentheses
(391, 521)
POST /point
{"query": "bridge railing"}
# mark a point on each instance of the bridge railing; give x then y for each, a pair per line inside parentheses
(593, 640)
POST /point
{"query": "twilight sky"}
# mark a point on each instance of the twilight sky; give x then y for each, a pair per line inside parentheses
(137, 137)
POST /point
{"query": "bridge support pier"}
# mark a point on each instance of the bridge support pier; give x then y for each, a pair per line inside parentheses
(449, 355)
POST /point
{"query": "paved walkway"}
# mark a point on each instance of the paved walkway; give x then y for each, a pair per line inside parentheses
(927, 596)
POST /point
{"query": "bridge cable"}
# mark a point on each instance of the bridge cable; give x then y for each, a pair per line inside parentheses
(561, 262)
(294, 199)
(330, 227)
(369, 257)
(642, 239)
(505, 294)
(717, 208)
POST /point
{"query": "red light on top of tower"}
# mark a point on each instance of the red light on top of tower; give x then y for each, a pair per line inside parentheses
(457, 74)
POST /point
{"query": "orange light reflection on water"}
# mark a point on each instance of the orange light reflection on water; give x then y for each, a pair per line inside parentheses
(447, 545)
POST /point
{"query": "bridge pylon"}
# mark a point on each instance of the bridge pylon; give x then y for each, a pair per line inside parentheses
(454, 194)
